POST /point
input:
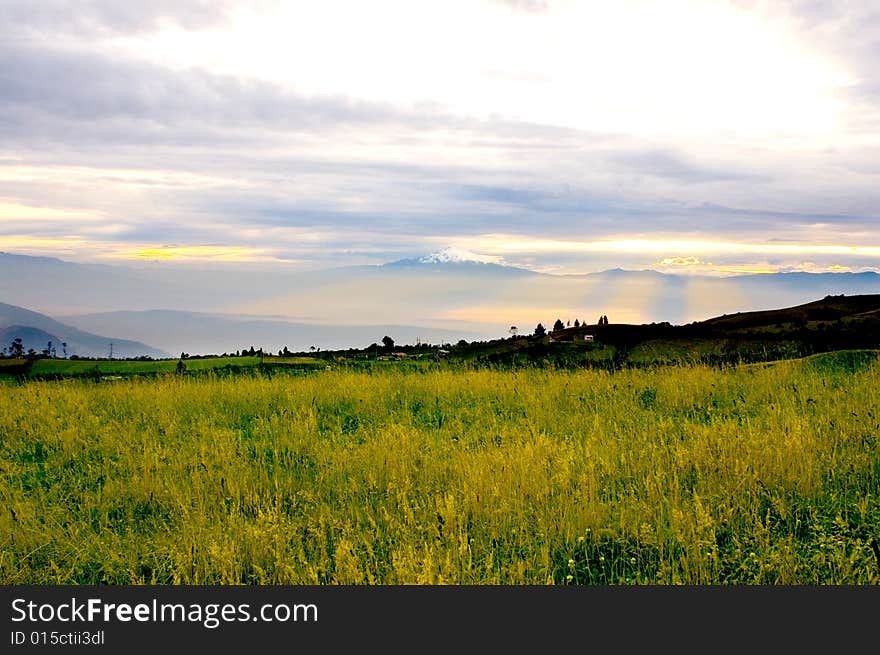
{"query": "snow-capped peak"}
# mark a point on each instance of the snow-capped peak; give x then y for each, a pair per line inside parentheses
(457, 255)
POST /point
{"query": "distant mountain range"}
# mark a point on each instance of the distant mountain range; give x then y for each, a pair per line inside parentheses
(201, 333)
(442, 297)
(37, 330)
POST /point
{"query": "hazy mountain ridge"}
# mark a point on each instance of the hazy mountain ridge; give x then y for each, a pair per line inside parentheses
(36, 330)
(201, 333)
(442, 297)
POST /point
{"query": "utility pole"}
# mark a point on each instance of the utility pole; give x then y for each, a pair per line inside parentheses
(111, 350)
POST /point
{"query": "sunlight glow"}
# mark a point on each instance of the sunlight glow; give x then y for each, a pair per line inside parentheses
(661, 246)
(640, 67)
(216, 253)
(10, 211)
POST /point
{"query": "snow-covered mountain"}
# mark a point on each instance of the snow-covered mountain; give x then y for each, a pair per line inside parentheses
(452, 258)
(452, 255)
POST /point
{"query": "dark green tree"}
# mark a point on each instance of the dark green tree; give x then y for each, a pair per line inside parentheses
(388, 342)
(540, 330)
(558, 325)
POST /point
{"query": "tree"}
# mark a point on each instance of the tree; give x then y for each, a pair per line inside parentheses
(577, 323)
(558, 325)
(388, 342)
(540, 330)
(604, 320)
(513, 330)
(17, 348)
(64, 349)
(181, 367)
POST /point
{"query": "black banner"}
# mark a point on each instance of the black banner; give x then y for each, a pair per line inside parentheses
(412, 618)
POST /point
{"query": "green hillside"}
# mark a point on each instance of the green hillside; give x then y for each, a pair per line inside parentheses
(832, 324)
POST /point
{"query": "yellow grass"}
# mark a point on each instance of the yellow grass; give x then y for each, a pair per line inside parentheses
(685, 475)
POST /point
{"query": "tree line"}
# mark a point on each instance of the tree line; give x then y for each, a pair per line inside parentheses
(558, 326)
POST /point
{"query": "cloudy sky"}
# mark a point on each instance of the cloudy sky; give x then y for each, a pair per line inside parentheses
(565, 136)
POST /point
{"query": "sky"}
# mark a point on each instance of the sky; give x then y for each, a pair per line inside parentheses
(562, 136)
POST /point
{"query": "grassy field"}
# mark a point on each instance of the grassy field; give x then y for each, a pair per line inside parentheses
(56, 368)
(693, 351)
(129, 367)
(759, 474)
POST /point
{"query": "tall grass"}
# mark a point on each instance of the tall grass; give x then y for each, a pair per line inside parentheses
(680, 475)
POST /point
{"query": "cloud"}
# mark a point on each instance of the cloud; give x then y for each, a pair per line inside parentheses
(527, 6)
(112, 17)
(204, 158)
(662, 162)
(683, 262)
(849, 33)
(501, 195)
(39, 85)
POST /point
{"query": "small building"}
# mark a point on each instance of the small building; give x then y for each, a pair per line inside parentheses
(589, 338)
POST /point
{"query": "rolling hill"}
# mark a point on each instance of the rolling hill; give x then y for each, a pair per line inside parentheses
(833, 323)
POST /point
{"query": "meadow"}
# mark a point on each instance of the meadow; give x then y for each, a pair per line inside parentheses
(750, 474)
(52, 368)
